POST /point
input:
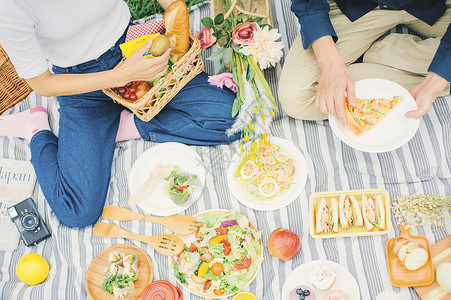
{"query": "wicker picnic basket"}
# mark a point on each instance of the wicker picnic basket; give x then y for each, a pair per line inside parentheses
(252, 8)
(159, 95)
(12, 88)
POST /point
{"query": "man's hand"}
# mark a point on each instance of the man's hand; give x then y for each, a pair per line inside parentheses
(335, 83)
(425, 93)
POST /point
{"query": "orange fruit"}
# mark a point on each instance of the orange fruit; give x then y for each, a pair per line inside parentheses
(32, 269)
(244, 295)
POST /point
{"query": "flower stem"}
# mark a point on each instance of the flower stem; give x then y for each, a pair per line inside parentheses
(261, 79)
(239, 68)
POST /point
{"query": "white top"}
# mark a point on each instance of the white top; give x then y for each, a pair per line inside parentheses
(62, 32)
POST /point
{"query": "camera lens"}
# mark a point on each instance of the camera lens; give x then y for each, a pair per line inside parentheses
(30, 221)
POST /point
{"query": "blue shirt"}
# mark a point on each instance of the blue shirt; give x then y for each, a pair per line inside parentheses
(313, 15)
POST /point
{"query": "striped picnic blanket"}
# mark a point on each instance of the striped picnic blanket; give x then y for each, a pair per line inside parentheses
(420, 167)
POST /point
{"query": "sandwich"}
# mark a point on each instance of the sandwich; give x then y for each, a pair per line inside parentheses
(350, 212)
(327, 216)
(373, 212)
(176, 21)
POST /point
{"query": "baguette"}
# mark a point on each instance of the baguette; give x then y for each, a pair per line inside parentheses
(176, 21)
(373, 211)
(411, 254)
(327, 216)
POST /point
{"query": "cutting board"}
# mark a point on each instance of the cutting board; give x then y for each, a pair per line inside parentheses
(441, 252)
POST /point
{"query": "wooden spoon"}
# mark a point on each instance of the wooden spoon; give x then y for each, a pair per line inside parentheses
(179, 224)
(166, 244)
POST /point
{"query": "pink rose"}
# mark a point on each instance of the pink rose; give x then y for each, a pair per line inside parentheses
(244, 33)
(206, 38)
(223, 79)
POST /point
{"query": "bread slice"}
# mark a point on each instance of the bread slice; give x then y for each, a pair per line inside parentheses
(411, 254)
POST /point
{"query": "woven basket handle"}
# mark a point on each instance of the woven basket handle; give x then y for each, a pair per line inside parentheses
(234, 5)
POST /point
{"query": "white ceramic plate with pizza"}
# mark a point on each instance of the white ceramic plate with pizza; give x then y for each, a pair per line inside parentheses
(158, 202)
(393, 131)
(301, 276)
(240, 192)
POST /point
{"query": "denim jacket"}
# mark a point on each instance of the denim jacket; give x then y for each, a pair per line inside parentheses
(313, 15)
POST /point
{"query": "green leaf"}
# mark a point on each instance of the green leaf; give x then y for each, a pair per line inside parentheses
(221, 67)
(236, 106)
(217, 55)
(236, 48)
(258, 20)
(227, 25)
(227, 55)
(219, 19)
(208, 22)
(249, 72)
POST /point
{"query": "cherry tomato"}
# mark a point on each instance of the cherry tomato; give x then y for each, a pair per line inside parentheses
(133, 97)
(217, 268)
(218, 292)
(207, 285)
(132, 89)
(227, 247)
(181, 188)
(221, 230)
(192, 248)
(245, 263)
(129, 84)
(127, 95)
(122, 90)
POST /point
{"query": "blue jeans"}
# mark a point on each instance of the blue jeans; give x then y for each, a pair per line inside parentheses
(73, 169)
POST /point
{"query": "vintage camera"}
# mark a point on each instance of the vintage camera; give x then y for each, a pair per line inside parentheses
(31, 227)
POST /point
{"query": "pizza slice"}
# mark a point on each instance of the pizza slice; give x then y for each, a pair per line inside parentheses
(368, 113)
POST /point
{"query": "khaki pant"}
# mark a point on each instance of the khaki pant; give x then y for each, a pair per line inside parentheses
(402, 58)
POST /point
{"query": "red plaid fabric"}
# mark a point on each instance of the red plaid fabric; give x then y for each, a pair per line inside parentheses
(135, 31)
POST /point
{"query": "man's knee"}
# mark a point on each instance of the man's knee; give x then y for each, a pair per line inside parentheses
(85, 213)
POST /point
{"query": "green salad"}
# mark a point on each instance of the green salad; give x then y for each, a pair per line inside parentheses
(179, 185)
(222, 257)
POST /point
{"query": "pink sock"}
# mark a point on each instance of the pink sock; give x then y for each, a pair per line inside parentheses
(127, 129)
(25, 124)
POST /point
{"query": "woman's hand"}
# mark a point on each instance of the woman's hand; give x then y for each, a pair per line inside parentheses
(425, 93)
(139, 68)
(335, 83)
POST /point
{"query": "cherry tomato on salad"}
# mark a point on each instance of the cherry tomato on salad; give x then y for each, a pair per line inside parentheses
(221, 230)
(192, 248)
(207, 285)
(181, 188)
(227, 247)
(218, 292)
(245, 263)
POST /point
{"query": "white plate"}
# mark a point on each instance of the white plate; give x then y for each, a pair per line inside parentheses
(300, 276)
(189, 238)
(158, 202)
(393, 131)
(293, 192)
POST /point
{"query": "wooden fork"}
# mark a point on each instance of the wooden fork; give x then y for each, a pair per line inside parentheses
(166, 244)
(179, 224)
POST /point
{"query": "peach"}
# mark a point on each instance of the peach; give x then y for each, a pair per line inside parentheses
(284, 244)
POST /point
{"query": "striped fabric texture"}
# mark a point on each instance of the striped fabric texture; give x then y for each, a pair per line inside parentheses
(423, 166)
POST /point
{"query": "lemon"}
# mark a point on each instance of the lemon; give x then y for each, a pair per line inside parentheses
(245, 295)
(32, 269)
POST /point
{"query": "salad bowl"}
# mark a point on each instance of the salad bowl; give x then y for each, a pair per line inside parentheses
(221, 258)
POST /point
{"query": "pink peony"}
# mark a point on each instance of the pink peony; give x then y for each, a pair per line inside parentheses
(244, 33)
(206, 38)
(223, 79)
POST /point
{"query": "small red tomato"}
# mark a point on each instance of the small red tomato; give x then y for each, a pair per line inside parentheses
(127, 95)
(133, 97)
(129, 84)
(218, 292)
(207, 285)
(192, 248)
(221, 230)
(132, 89)
(122, 90)
(227, 247)
(245, 263)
